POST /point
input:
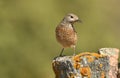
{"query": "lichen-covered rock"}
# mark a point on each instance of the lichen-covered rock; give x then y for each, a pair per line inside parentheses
(63, 67)
(88, 65)
(96, 65)
(113, 54)
(84, 65)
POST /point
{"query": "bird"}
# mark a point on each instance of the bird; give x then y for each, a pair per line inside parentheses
(66, 34)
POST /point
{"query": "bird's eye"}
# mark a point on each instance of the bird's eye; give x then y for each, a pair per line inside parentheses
(71, 16)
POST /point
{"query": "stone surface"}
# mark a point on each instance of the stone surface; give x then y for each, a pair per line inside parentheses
(88, 65)
(84, 65)
(113, 54)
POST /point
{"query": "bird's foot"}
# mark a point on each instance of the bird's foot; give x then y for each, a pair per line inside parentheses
(74, 54)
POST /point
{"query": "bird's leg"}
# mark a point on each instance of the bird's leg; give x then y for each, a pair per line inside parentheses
(61, 52)
(74, 51)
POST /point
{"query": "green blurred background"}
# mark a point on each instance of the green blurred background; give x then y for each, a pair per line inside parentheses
(27, 32)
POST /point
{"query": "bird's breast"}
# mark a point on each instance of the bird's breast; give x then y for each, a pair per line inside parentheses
(66, 35)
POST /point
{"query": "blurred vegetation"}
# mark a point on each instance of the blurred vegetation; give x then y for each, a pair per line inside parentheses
(27, 32)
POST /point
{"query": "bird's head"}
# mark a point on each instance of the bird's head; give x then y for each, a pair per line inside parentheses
(71, 18)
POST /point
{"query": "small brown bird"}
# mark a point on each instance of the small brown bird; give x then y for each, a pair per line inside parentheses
(65, 32)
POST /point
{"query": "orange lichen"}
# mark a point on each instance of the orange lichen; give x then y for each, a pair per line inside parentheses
(76, 65)
(96, 55)
(85, 71)
(89, 58)
(89, 53)
(76, 58)
(102, 75)
(101, 65)
(76, 61)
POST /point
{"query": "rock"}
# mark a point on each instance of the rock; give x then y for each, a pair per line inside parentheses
(83, 65)
(88, 65)
(113, 54)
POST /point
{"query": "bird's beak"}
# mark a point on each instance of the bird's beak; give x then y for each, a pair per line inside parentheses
(79, 21)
